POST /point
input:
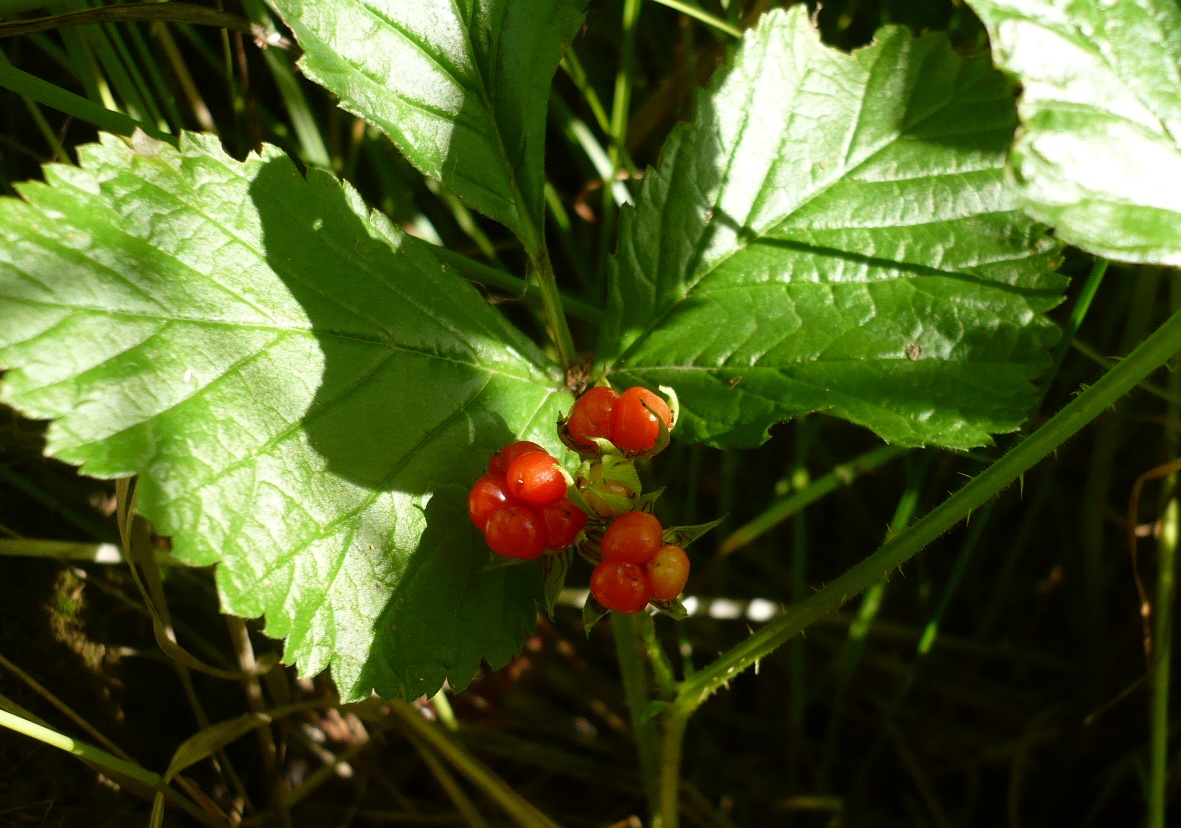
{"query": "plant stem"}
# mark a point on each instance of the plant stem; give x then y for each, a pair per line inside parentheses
(662, 669)
(799, 479)
(80, 749)
(551, 306)
(481, 273)
(620, 112)
(1153, 352)
(97, 756)
(670, 767)
(781, 510)
(1077, 314)
(53, 96)
(704, 16)
(519, 809)
(635, 691)
(1160, 668)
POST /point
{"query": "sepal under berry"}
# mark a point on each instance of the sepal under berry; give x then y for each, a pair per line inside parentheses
(674, 609)
(682, 536)
(592, 613)
(653, 709)
(674, 403)
(500, 562)
(647, 501)
(554, 568)
(609, 486)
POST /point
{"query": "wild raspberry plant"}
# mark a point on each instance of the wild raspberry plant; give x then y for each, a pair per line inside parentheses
(306, 391)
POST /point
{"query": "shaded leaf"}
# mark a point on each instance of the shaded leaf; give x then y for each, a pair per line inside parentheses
(461, 86)
(306, 392)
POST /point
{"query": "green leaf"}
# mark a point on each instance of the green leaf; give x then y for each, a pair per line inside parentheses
(1099, 155)
(833, 233)
(461, 86)
(306, 392)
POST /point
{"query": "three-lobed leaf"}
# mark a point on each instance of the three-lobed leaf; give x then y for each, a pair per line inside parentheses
(1099, 154)
(833, 233)
(461, 86)
(307, 393)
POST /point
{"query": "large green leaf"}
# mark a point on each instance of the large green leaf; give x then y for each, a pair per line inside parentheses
(833, 233)
(1099, 155)
(305, 391)
(461, 86)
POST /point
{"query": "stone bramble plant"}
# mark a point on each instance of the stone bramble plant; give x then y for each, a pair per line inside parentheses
(308, 393)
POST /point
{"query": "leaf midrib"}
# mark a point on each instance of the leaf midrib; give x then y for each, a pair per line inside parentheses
(279, 329)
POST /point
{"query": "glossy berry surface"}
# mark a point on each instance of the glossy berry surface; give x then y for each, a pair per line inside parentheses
(488, 494)
(500, 461)
(667, 572)
(563, 521)
(535, 478)
(632, 538)
(634, 424)
(516, 531)
(591, 416)
(620, 586)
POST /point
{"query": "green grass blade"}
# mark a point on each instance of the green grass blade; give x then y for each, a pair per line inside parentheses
(82, 750)
(62, 100)
(705, 17)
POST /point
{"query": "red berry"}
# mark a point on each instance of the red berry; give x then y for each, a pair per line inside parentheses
(620, 586)
(488, 494)
(563, 521)
(634, 427)
(632, 538)
(591, 416)
(500, 461)
(667, 572)
(536, 478)
(515, 531)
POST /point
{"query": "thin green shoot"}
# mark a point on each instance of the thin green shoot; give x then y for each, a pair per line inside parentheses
(705, 17)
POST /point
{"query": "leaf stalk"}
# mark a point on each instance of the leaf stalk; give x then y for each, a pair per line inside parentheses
(551, 306)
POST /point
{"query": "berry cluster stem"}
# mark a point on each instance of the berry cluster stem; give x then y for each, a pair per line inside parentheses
(635, 688)
(551, 306)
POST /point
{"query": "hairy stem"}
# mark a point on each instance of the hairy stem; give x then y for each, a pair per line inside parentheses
(670, 766)
(635, 690)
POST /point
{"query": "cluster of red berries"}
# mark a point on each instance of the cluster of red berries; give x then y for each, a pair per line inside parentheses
(520, 504)
(523, 507)
(627, 420)
(638, 566)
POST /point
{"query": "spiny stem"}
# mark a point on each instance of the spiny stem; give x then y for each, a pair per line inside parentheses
(1089, 404)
